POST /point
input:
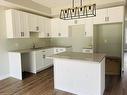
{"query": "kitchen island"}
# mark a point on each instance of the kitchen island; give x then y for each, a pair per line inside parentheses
(80, 73)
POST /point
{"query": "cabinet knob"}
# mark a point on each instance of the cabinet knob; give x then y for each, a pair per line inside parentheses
(22, 34)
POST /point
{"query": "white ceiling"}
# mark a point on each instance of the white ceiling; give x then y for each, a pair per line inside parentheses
(62, 3)
(58, 3)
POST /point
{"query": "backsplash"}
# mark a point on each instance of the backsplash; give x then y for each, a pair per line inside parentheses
(17, 44)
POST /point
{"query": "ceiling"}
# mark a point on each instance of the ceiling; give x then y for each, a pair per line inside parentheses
(58, 3)
(63, 3)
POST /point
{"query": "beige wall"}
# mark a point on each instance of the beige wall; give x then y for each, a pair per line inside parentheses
(76, 40)
(13, 44)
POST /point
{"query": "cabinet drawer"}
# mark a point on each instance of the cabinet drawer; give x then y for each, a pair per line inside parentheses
(59, 50)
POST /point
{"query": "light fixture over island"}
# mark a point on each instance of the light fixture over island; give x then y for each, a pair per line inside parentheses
(79, 73)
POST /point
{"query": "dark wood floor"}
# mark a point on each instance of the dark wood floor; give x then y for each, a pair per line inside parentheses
(42, 84)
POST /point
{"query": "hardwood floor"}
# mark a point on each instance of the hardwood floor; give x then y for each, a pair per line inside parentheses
(42, 84)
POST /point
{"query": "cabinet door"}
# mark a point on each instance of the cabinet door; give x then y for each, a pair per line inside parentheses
(55, 23)
(48, 61)
(88, 27)
(24, 25)
(41, 24)
(63, 29)
(101, 16)
(16, 23)
(39, 60)
(116, 14)
(48, 33)
(33, 23)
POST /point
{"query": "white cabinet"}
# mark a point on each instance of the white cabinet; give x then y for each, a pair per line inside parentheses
(39, 61)
(113, 17)
(47, 23)
(101, 15)
(88, 27)
(33, 24)
(40, 24)
(87, 50)
(59, 28)
(109, 15)
(24, 24)
(17, 24)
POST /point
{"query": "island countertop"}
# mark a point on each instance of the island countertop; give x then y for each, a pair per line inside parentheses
(93, 57)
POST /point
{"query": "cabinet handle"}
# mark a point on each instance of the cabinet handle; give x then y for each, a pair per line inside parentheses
(44, 56)
(48, 34)
(107, 18)
(56, 50)
(22, 34)
(37, 28)
(85, 33)
(59, 34)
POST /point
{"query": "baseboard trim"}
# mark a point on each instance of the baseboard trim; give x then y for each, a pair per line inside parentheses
(4, 76)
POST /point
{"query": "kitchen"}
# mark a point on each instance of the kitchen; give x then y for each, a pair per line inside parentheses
(44, 41)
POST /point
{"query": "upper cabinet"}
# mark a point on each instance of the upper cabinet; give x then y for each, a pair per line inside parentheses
(33, 23)
(44, 27)
(59, 28)
(17, 24)
(109, 15)
(88, 27)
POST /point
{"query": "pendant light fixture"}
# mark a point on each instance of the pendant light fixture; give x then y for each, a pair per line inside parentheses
(83, 11)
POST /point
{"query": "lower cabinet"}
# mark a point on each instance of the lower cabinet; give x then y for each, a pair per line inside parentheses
(39, 61)
(113, 66)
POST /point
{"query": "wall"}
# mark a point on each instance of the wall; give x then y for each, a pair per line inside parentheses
(4, 66)
(13, 44)
(109, 39)
(76, 39)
